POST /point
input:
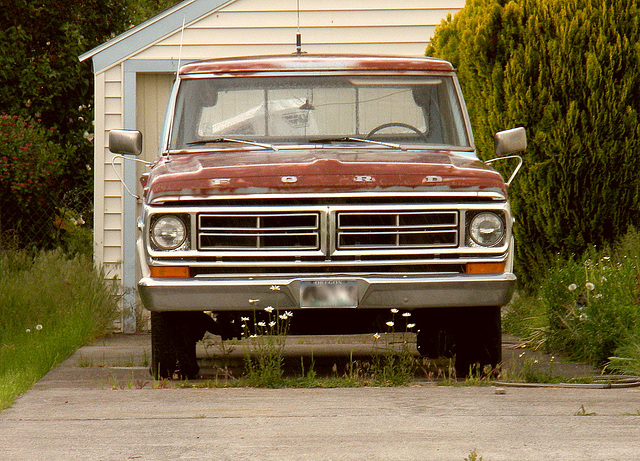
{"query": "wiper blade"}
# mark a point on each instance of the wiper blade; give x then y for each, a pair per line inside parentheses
(363, 140)
(239, 141)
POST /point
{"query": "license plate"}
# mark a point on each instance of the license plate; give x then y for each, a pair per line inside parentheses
(329, 293)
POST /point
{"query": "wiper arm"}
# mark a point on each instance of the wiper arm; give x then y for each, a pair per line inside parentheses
(364, 140)
(239, 141)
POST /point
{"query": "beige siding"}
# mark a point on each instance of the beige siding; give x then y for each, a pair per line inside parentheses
(347, 26)
(108, 190)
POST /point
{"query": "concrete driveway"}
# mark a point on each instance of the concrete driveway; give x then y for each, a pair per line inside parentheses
(101, 405)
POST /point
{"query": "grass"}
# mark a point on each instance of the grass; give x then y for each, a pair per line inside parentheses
(586, 307)
(51, 304)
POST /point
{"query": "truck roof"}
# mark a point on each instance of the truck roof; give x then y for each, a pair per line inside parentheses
(316, 62)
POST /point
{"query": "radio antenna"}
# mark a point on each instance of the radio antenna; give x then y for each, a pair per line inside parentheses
(298, 35)
(184, 18)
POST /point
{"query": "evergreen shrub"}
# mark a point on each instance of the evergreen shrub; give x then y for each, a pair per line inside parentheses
(569, 72)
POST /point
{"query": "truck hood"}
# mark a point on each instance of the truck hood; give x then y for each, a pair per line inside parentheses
(212, 175)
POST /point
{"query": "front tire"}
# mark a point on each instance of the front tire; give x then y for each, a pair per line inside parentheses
(173, 342)
(163, 356)
(472, 335)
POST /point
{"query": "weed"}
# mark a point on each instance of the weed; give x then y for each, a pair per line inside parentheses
(587, 307)
(390, 366)
(473, 456)
(582, 411)
(267, 336)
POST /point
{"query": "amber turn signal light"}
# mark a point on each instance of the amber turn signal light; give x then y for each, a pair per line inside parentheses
(169, 271)
(485, 268)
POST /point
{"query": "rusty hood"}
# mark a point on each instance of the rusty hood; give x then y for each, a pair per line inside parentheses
(219, 174)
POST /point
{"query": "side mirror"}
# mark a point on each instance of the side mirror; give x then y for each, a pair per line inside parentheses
(125, 142)
(510, 141)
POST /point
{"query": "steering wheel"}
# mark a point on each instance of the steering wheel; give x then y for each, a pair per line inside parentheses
(398, 124)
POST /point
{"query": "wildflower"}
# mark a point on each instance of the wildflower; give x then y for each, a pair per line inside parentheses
(394, 311)
(289, 314)
(243, 326)
(28, 330)
(38, 327)
(390, 324)
(572, 287)
(283, 316)
(411, 325)
(272, 324)
(377, 336)
(406, 314)
(244, 319)
(254, 301)
(269, 309)
(253, 336)
(590, 286)
(521, 355)
(275, 288)
(262, 324)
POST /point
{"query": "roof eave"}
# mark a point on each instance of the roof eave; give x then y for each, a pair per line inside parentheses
(150, 31)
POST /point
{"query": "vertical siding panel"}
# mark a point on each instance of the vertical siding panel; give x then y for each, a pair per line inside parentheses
(98, 171)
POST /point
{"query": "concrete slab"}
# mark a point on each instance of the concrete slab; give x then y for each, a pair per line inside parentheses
(101, 404)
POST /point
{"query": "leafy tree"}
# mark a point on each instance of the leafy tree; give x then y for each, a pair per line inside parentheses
(40, 75)
(141, 10)
(569, 73)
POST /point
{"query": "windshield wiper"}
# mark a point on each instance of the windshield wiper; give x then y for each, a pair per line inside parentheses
(239, 141)
(350, 139)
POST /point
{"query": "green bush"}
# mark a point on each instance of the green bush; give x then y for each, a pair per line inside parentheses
(51, 305)
(569, 73)
(29, 178)
(587, 307)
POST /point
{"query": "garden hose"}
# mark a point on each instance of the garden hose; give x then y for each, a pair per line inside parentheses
(600, 382)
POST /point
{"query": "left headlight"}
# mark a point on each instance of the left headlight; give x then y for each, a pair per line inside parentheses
(487, 229)
(168, 232)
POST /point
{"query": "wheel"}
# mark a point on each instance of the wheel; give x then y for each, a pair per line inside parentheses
(479, 340)
(389, 125)
(173, 342)
(163, 356)
(472, 335)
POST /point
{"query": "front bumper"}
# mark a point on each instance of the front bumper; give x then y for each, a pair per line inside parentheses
(376, 292)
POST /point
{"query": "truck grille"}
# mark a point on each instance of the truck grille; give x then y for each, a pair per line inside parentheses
(402, 229)
(259, 231)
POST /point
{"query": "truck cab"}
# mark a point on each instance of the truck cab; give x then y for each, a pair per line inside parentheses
(333, 187)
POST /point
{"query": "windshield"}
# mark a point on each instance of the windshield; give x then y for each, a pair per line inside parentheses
(303, 110)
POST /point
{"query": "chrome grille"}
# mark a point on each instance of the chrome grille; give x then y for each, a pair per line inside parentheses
(397, 229)
(259, 231)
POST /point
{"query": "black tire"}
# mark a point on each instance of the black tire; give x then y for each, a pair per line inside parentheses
(472, 335)
(173, 342)
(163, 356)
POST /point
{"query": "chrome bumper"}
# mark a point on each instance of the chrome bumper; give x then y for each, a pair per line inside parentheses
(381, 292)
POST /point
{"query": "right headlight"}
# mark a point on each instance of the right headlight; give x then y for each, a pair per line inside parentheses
(168, 232)
(487, 229)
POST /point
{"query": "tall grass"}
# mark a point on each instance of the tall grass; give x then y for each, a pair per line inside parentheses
(587, 307)
(50, 304)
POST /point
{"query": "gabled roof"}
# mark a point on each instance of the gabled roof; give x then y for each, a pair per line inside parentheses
(151, 31)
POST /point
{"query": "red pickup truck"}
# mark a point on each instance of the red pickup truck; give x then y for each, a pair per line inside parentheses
(336, 187)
